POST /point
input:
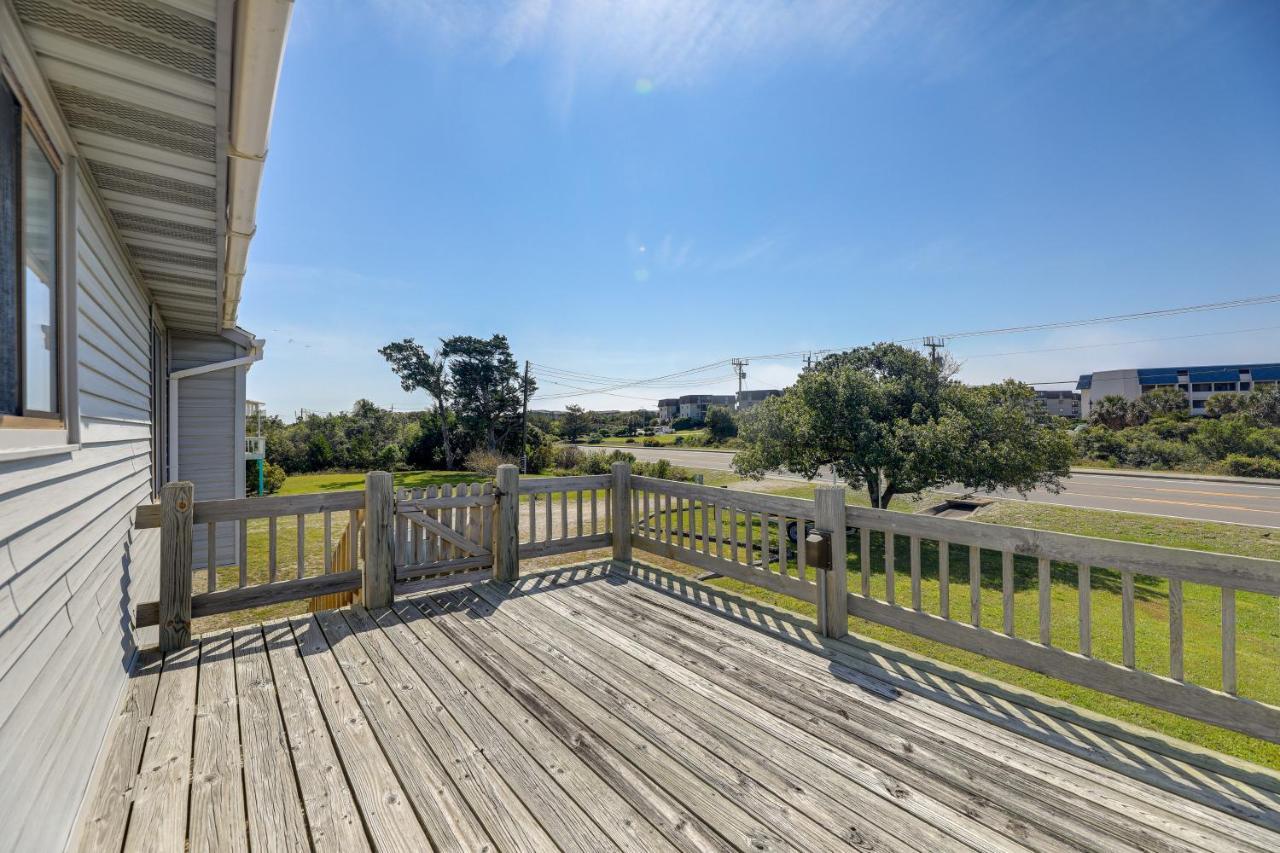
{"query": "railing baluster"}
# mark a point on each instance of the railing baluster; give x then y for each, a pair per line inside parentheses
(890, 590)
(594, 499)
(353, 539)
(801, 568)
(915, 573)
(1175, 629)
(578, 495)
(1229, 640)
(244, 552)
(211, 546)
(1084, 590)
(271, 549)
(750, 545)
(706, 535)
(975, 586)
(944, 579)
(1046, 597)
(647, 522)
(782, 543)
(533, 518)
(733, 533)
(1127, 627)
(476, 526)
(548, 519)
(1006, 590)
(302, 545)
(430, 542)
(680, 522)
(328, 541)
(864, 561)
(720, 512)
(564, 513)
(486, 521)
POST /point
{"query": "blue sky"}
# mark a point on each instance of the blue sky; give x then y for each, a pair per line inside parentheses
(633, 189)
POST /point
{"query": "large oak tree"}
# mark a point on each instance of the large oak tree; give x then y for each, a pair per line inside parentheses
(890, 420)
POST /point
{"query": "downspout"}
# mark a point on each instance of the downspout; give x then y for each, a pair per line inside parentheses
(255, 354)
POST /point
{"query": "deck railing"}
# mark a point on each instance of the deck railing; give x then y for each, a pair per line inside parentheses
(810, 550)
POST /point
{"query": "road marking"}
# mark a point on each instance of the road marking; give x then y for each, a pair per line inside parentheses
(1178, 503)
(1182, 491)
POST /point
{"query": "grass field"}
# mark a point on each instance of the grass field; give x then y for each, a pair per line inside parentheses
(667, 440)
(1258, 617)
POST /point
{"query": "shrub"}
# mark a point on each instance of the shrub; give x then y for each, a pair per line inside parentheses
(273, 478)
(1240, 465)
(651, 442)
(487, 461)
(1221, 437)
(567, 457)
(631, 441)
(678, 440)
(595, 438)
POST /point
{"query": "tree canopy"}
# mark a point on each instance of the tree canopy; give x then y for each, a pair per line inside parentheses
(420, 370)
(888, 419)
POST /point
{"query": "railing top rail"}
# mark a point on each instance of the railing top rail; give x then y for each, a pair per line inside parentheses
(234, 509)
(776, 504)
(543, 485)
(1253, 574)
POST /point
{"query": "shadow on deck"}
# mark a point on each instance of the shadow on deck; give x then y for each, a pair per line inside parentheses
(607, 708)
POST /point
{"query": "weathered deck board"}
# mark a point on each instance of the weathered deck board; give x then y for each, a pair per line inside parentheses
(108, 805)
(217, 820)
(386, 805)
(272, 803)
(159, 815)
(618, 707)
(331, 812)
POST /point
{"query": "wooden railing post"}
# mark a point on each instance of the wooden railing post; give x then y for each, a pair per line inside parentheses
(829, 509)
(621, 497)
(176, 503)
(378, 586)
(506, 532)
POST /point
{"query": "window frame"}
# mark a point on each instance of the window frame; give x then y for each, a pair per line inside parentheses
(36, 419)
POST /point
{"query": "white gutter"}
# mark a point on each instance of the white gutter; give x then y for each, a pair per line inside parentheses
(255, 354)
(260, 30)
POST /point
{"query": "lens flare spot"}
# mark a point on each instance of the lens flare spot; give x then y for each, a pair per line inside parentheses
(642, 275)
(644, 86)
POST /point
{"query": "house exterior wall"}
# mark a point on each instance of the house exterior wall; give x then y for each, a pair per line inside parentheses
(1198, 384)
(71, 567)
(211, 432)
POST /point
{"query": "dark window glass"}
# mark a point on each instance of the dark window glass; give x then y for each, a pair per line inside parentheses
(1197, 404)
(10, 160)
(40, 279)
(1224, 386)
(1245, 386)
(1202, 386)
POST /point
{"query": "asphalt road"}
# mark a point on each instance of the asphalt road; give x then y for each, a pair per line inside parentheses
(1237, 503)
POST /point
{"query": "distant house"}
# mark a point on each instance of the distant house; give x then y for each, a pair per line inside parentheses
(747, 399)
(668, 410)
(1197, 383)
(1065, 404)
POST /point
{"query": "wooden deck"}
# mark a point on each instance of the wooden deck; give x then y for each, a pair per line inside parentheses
(596, 709)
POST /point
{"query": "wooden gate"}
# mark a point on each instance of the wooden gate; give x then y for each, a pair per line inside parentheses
(442, 533)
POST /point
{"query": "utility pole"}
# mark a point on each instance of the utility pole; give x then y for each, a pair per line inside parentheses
(740, 368)
(808, 360)
(524, 422)
(933, 344)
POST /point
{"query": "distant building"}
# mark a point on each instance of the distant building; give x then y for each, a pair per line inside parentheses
(747, 399)
(1064, 404)
(668, 410)
(694, 406)
(1197, 383)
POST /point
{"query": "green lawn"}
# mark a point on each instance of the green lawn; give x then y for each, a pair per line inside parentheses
(1258, 617)
(667, 440)
(299, 484)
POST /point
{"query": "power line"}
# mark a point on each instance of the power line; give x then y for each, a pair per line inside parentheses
(1123, 343)
(620, 383)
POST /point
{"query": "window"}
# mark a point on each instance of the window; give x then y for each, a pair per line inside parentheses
(1245, 386)
(1202, 386)
(29, 389)
(1184, 387)
(1224, 386)
(1197, 404)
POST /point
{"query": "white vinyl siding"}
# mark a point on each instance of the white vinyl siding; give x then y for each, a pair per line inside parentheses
(71, 567)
